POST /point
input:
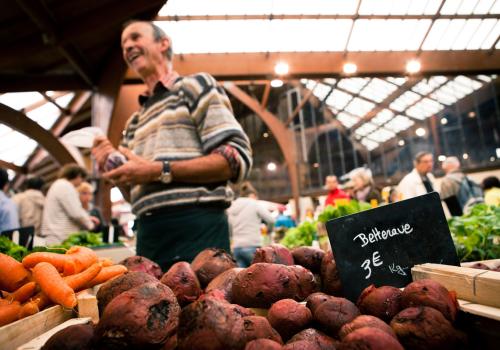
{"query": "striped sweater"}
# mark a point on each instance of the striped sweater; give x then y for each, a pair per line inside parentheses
(191, 120)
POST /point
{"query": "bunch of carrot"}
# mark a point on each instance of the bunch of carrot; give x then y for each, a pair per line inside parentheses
(44, 278)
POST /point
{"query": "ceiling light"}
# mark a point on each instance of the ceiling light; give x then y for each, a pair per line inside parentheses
(420, 132)
(497, 151)
(442, 158)
(444, 121)
(465, 156)
(401, 143)
(492, 159)
(413, 66)
(350, 68)
(266, 135)
(276, 83)
(472, 114)
(316, 165)
(271, 166)
(281, 68)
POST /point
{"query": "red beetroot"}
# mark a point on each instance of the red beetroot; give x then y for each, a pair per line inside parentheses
(263, 344)
(210, 263)
(224, 283)
(183, 282)
(308, 257)
(301, 345)
(383, 302)
(424, 327)
(427, 292)
(370, 339)
(288, 317)
(75, 337)
(307, 283)
(316, 299)
(274, 253)
(142, 264)
(330, 278)
(320, 339)
(257, 327)
(480, 266)
(333, 313)
(365, 321)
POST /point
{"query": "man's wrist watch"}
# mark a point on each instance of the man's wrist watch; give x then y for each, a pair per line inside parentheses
(166, 175)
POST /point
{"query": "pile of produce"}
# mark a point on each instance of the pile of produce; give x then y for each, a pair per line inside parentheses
(140, 311)
(45, 278)
(477, 234)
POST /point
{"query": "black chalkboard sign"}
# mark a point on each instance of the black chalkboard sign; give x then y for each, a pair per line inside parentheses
(381, 245)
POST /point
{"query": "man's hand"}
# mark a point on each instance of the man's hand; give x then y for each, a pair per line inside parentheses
(95, 220)
(135, 171)
(101, 150)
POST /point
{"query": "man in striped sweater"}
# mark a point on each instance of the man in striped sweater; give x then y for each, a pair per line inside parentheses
(183, 147)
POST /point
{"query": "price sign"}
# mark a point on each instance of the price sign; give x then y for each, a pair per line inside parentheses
(381, 245)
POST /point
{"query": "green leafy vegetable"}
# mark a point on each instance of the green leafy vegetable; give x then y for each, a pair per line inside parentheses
(340, 210)
(477, 235)
(12, 249)
(302, 235)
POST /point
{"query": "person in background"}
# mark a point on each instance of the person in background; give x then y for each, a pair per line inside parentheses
(491, 188)
(183, 146)
(364, 187)
(86, 193)
(63, 213)
(30, 204)
(245, 216)
(334, 192)
(393, 195)
(9, 218)
(450, 185)
(420, 180)
(283, 220)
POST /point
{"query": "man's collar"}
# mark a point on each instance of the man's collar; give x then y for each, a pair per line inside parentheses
(159, 87)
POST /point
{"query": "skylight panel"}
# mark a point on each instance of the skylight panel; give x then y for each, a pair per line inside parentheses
(4, 130)
(16, 148)
(417, 7)
(466, 34)
(20, 100)
(353, 85)
(310, 84)
(423, 88)
(377, 90)
(365, 129)
(322, 90)
(44, 115)
(375, 7)
(338, 99)
(492, 36)
(437, 80)
(359, 107)
(450, 7)
(219, 7)
(64, 100)
(330, 81)
(399, 123)
(383, 116)
(495, 9)
(454, 28)
(484, 78)
(403, 101)
(400, 7)
(437, 31)
(424, 109)
(466, 7)
(483, 7)
(369, 144)
(444, 97)
(397, 81)
(463, 80)
(419, 30)
(432, 7)
(381, 135)
(347, 119)
(481, 33)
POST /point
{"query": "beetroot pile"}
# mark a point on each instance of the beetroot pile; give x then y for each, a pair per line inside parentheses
(207, 305)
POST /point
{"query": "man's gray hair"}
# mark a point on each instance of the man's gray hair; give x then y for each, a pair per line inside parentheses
(158, 34)
(453, 161)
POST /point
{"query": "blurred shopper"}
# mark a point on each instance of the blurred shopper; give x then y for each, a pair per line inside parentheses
(283, 219)
(9, 218)
(183, 146)
(393, 195)
(86, 192)
(457, 190)
(420, 180)
(245, 216)
(30, 204)
(491, 188)
(334, 192)
(364, 187)
(63, 213)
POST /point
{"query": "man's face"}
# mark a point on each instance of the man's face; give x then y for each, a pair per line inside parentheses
(425, 164)
(331, 183)
(141, 52)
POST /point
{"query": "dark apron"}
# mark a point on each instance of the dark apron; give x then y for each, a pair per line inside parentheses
(174, 234)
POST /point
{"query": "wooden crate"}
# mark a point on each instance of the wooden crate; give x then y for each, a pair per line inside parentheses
(473, 285)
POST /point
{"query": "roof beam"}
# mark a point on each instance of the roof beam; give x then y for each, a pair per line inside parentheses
(255, 66)
(39, 82)
(42, 18)
(12, 166)
(21, 123)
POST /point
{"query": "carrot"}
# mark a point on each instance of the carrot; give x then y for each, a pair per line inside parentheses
(106, 274)
(22, 293)
(28, 309)
(9, 312)
(53, 285)
(79, 280)
(41, 300)
(106, 262)
(83, 257)
(59, 261)
(12, 273)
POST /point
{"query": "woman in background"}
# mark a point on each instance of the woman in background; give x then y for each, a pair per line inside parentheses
(364, 187)
(86, 192)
